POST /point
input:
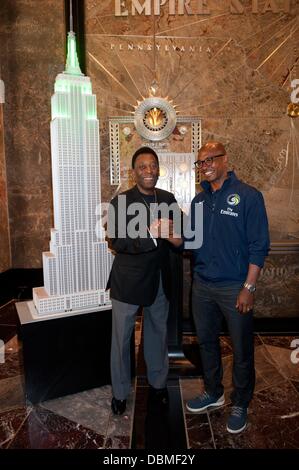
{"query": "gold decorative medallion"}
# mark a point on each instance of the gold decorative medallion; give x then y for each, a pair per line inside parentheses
(155, 118)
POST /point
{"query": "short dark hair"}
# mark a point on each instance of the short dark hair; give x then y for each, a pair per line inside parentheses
(144, 150)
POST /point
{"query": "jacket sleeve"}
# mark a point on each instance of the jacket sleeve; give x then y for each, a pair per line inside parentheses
(257, 230)
(118, 236)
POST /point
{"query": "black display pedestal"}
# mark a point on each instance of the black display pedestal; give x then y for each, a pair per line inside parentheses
(174, 326)
(65, 355)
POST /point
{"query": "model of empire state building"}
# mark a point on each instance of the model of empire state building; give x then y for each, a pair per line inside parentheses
(77, 267)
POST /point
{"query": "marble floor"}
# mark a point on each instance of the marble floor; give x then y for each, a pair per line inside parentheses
(84, 420)
(273, 415)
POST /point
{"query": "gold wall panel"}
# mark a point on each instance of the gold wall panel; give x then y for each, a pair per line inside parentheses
(233, 71)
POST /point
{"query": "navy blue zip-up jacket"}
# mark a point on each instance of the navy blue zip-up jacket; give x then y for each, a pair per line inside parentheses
(235, 231)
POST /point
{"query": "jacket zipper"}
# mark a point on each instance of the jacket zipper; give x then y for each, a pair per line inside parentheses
(213, 215)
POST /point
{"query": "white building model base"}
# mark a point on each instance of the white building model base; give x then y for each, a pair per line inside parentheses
(77, 267)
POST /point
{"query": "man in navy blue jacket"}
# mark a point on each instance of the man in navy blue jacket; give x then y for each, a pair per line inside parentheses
(226, 269)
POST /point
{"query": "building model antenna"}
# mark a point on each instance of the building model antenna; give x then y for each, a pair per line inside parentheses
(71, 17)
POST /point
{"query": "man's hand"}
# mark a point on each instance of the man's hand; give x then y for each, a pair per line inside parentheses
(245, 301)
(155, 228)
(163, 228)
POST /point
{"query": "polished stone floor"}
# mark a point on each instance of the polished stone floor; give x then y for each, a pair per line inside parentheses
(273, 418)
(85, 421)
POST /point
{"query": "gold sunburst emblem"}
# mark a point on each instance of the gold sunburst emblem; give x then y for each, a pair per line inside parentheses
(155, 119)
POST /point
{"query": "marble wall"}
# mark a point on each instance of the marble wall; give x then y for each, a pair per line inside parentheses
(32, 35)
(277, 294)
(5, 259)
(234, 71)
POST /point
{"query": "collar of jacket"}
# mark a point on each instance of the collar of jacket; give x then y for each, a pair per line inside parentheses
(206, 186)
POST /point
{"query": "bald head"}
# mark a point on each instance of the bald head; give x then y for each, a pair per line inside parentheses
(213, 163)
(212, 148)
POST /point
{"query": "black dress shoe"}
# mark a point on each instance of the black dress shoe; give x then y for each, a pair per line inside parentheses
(118, 406)
(159, 396)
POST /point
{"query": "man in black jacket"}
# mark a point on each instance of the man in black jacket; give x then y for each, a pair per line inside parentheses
(140, 276)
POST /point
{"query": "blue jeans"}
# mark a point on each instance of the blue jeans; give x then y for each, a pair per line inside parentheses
(210, 303)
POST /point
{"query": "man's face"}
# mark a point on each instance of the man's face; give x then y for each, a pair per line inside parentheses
(146, 172)
(213, 164)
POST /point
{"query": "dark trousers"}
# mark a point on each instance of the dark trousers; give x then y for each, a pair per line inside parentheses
(155, 343)
(210, 303)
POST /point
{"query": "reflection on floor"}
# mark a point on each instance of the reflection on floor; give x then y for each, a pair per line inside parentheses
(84, 420)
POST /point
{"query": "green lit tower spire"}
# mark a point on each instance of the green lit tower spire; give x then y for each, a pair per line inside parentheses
(78, 263)
(72, 63)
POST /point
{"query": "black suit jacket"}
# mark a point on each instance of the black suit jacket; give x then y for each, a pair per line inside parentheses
(135, 272)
